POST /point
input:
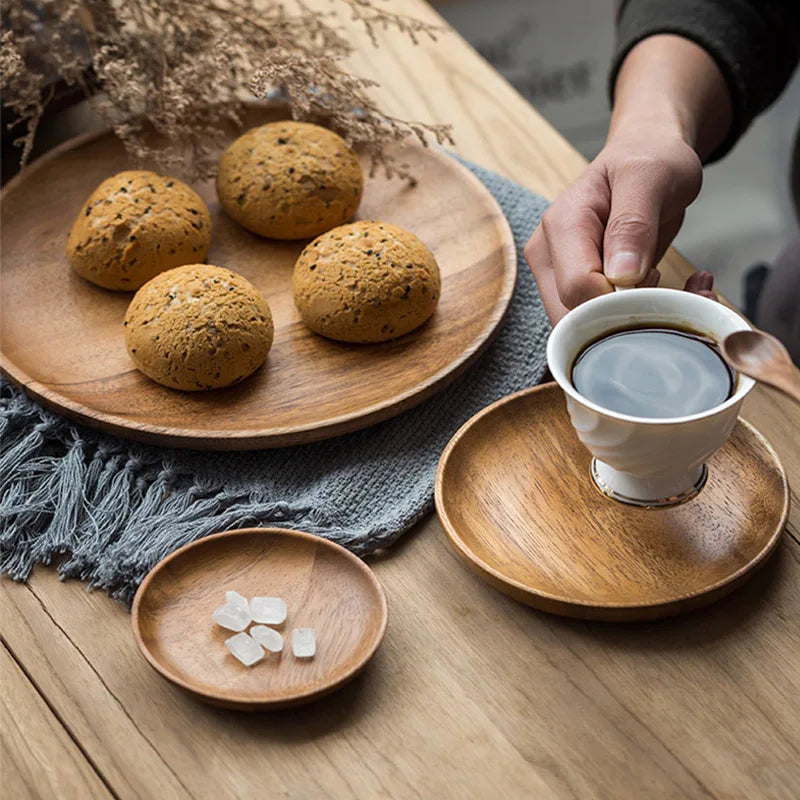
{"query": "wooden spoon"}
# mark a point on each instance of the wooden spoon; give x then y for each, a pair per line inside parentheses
(763, 358)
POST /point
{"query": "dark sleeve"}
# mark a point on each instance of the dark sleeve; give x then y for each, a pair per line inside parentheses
(756, 44)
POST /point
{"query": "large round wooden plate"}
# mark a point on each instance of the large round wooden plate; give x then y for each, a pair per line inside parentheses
(62, 336)
(516, 499)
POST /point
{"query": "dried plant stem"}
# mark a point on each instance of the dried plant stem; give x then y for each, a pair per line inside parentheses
(180, 67)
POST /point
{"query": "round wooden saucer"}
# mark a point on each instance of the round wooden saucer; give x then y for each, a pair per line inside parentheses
(515, 496)
(325, 587)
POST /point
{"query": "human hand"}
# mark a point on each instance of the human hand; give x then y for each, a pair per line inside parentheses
(614, 224)
(672, 107)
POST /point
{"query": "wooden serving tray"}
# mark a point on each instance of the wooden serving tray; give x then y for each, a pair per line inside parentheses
(62, 336)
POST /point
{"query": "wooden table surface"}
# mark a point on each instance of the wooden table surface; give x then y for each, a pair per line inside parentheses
(471, 695)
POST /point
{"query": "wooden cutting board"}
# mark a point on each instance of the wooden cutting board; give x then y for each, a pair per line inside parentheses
(62, 336)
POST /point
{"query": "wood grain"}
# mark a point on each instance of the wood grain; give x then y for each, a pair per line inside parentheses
(62, 336)
(38, 757)
(128, 761)
(515, 496)
(472, 694)
(325, 587)
(471, 690)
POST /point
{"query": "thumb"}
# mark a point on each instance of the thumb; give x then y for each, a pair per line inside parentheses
(631, 235)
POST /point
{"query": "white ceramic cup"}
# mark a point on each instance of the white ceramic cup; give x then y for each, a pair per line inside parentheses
(644, 461)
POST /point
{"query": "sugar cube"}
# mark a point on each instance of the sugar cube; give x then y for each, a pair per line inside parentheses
(235, 599)
(234, 618)
(269, 610)
(304, 642)
(244, 648)
(268, 638)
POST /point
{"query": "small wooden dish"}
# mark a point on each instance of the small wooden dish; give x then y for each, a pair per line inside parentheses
(63, 338)
(325, 587)
(515, 496)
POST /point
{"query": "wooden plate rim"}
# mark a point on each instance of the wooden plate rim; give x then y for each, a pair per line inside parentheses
(264, 438)
(246, 701)
(563, 604)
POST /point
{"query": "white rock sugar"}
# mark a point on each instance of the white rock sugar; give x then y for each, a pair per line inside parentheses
(244, 648)
(235, 599)
(232, 617)
(269, 610)
(304, 642)
(268, 638)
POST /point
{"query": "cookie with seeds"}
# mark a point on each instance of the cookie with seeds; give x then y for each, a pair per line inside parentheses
(289, 180)
(198, 327)
(136, 224)
(366, 282)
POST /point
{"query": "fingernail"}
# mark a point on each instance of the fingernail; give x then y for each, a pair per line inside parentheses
(623, 265)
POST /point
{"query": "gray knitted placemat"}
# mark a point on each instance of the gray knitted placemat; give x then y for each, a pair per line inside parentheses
(114, 508)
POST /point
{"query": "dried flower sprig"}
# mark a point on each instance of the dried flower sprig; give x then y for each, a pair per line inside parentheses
(180, 68)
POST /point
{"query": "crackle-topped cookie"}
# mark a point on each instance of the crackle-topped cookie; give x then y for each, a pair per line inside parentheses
(136, 224)
(289, 180)
(198, 327)
(366, 282)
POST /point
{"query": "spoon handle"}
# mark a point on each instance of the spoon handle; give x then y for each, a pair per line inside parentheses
(787, 380)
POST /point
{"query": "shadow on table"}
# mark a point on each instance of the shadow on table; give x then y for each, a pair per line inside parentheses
(400, 546)
(339, 710)
(745, 607)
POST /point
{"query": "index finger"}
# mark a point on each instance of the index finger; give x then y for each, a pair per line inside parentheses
(575, 239)
(538, 258)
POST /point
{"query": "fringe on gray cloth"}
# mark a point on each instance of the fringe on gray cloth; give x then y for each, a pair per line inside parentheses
(111, 509)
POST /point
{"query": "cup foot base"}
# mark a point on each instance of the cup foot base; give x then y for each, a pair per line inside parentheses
(603, 477)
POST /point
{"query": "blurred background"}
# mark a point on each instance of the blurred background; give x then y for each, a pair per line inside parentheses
(557, 52)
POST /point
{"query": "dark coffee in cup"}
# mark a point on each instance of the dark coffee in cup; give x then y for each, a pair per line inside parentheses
(653, 372)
